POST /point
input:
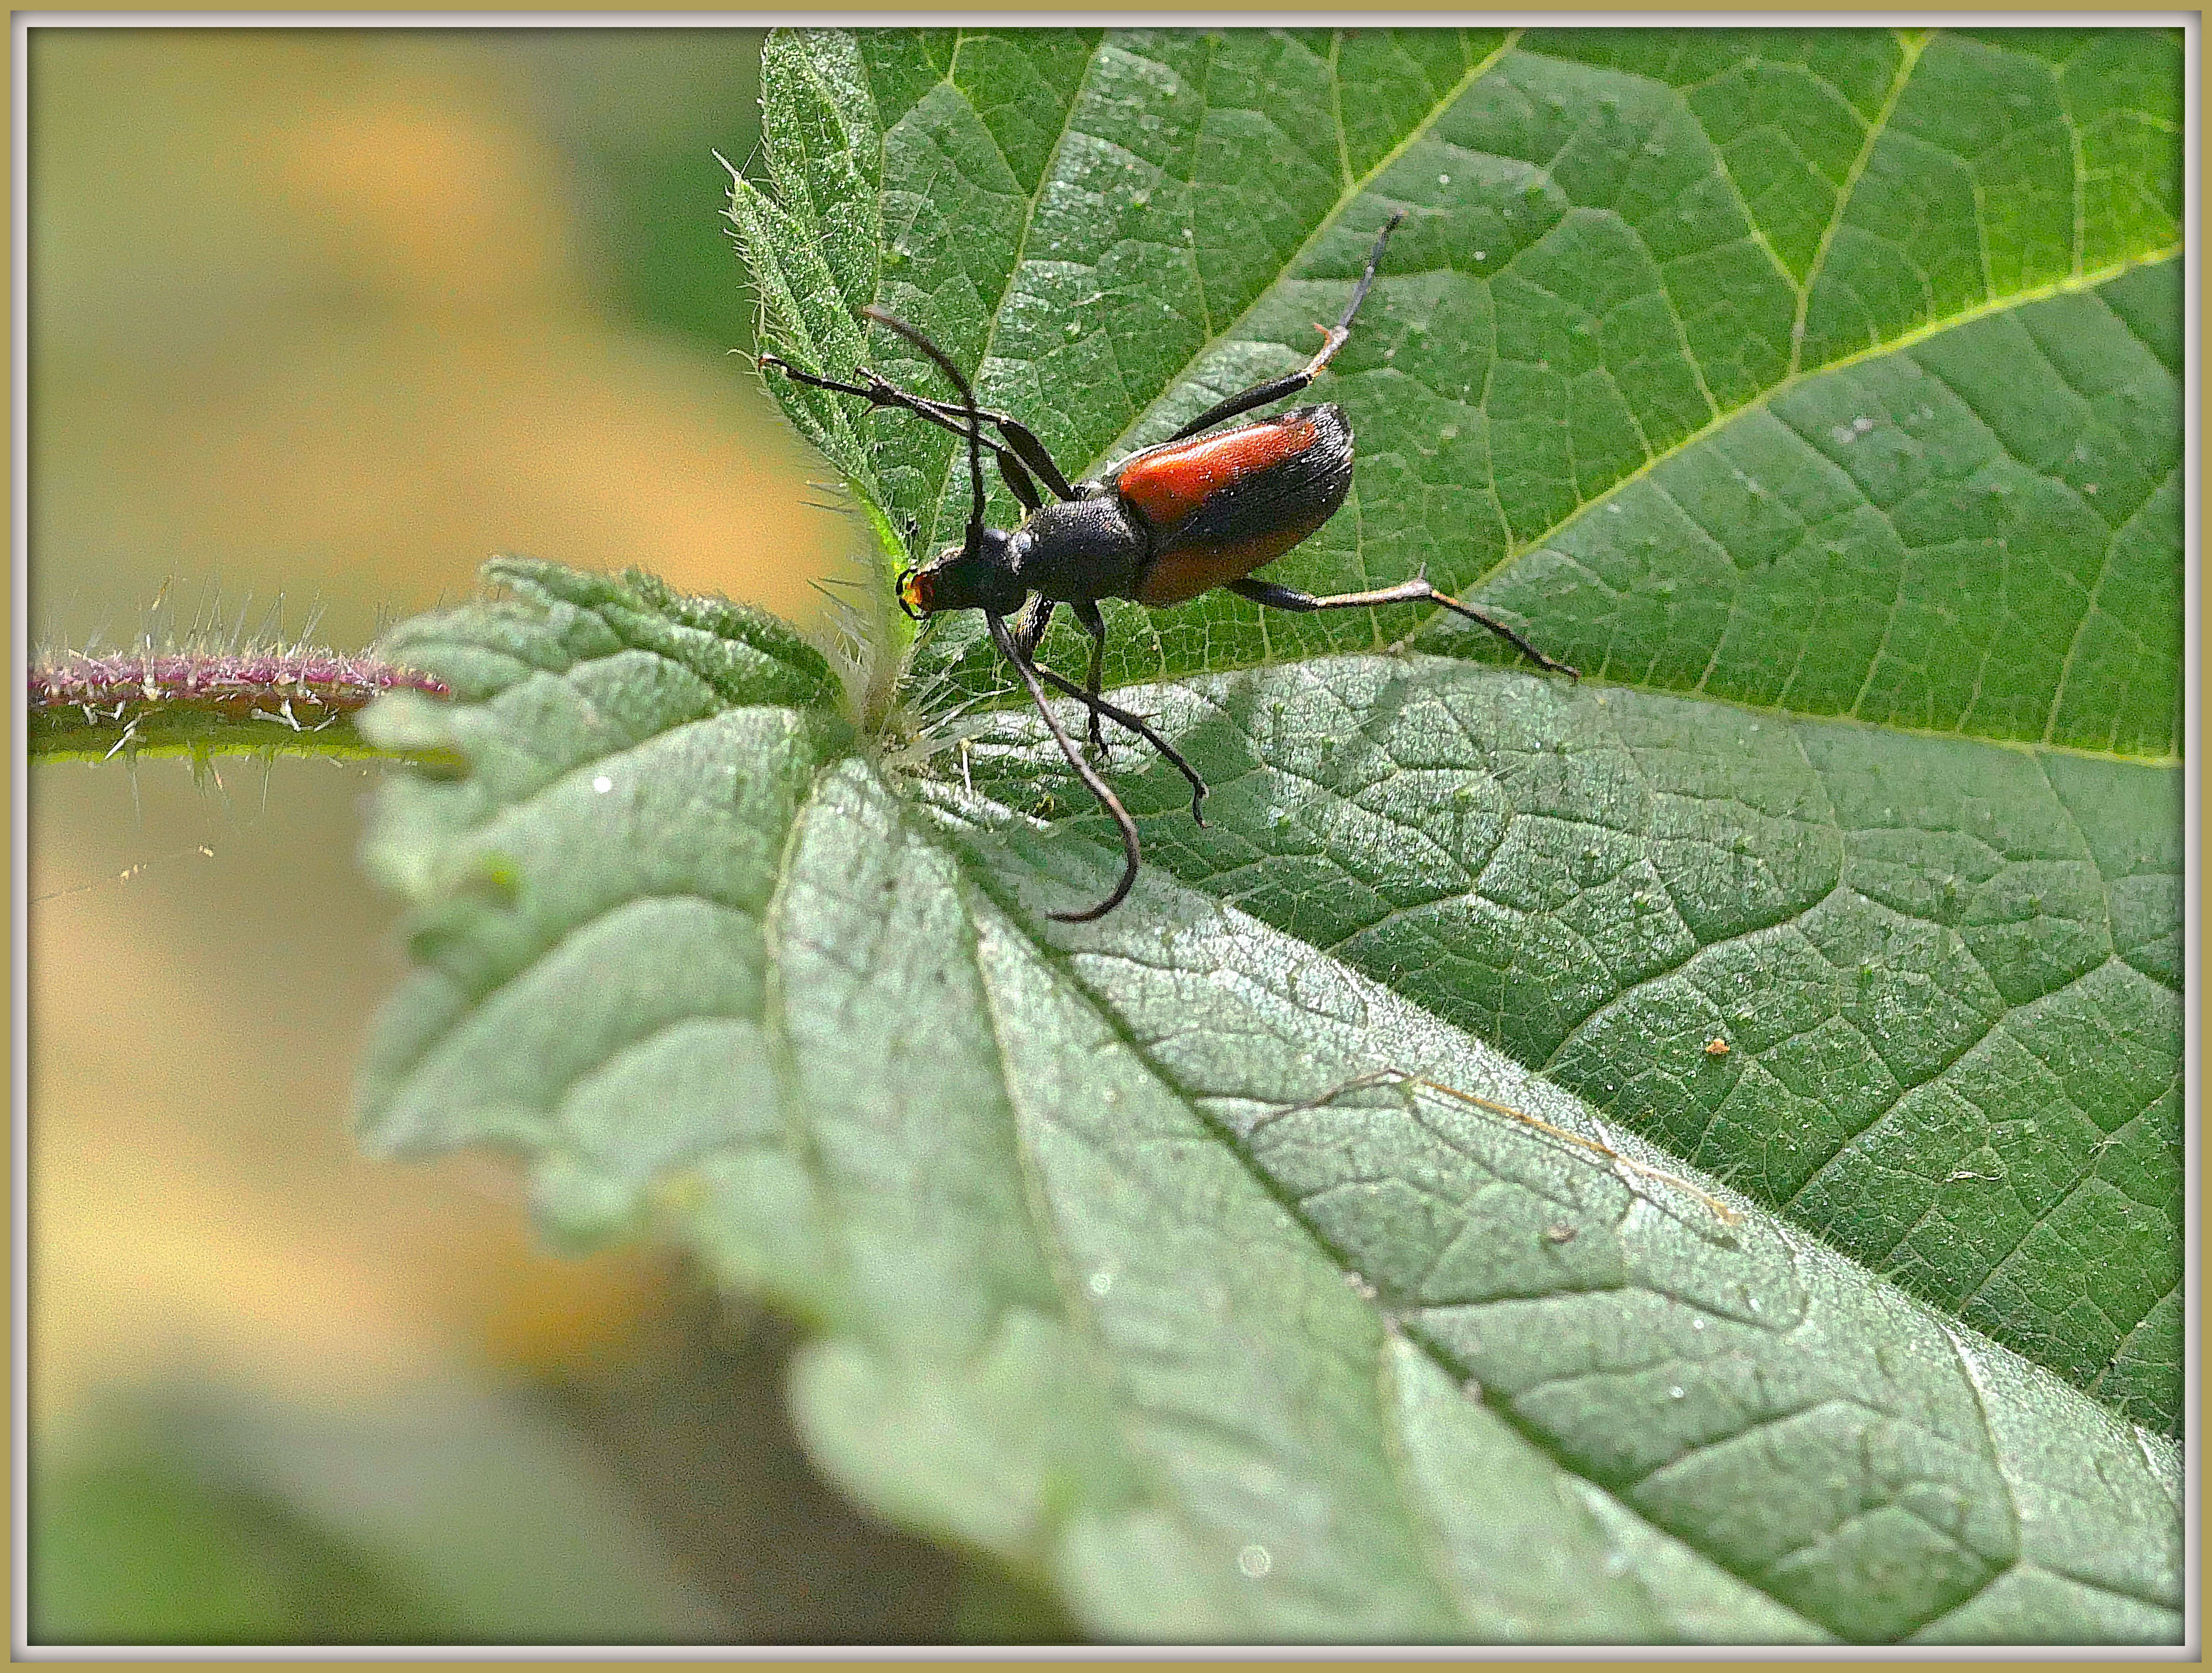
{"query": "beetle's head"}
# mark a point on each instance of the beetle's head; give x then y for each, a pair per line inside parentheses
(987, 578)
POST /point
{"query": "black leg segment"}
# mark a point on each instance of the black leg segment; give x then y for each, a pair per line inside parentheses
(1132, 854)
(1122, 717)
(1332, 339)
(1030, 634)
(1086, 612)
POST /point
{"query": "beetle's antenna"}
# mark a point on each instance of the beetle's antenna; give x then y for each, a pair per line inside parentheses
(1132, 855)
(975, 426)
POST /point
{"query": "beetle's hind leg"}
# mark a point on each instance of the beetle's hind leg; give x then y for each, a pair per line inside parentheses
(1334, 339)
(1416, 591)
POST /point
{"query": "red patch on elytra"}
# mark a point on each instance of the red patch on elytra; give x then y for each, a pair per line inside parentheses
(1167, 483)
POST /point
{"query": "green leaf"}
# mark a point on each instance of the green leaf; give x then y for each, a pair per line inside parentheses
(1889, 939)
(1946, 975)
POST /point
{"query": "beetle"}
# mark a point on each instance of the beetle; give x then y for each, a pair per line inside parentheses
(1164, 525)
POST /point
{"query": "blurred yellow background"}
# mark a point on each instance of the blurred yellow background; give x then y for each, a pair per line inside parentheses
(328, 316)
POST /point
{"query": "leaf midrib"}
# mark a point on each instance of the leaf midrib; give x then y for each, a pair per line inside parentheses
(2073, 284)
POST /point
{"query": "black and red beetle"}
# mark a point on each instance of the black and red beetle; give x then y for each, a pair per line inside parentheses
(1164, 525)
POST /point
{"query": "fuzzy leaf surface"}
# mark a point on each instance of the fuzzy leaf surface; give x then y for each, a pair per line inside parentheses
(1091, 1294)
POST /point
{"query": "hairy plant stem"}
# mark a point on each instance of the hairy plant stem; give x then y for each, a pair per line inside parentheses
(294, 701)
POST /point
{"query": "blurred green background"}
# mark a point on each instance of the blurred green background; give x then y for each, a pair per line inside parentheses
(319, 319)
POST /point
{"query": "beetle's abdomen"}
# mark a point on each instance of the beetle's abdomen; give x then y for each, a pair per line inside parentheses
(1219, 507)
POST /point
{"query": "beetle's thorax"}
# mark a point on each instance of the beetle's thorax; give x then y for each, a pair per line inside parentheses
(1081, 549)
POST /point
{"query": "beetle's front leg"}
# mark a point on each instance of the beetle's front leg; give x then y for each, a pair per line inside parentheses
(1086, 612)
(1029, 632)
(1131, 853)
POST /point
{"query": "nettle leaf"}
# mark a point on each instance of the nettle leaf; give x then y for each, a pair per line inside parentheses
(1818, 392)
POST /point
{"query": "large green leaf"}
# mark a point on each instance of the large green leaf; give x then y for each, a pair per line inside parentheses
(1678, 360)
